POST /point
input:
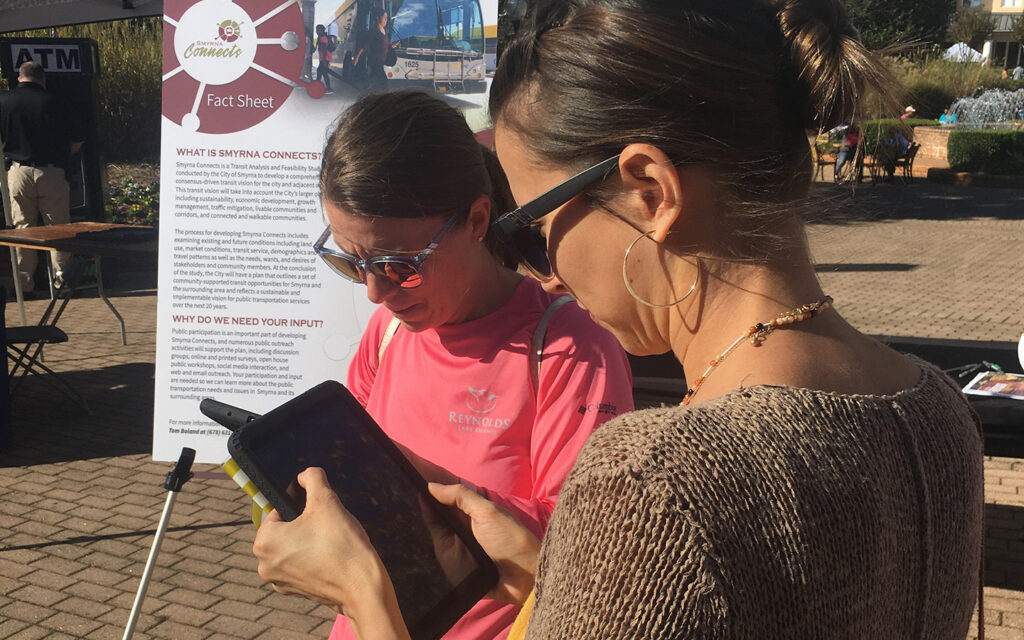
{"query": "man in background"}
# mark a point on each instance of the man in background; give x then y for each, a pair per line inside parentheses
(39, 137)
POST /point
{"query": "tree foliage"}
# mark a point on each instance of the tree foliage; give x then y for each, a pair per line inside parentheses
(1018, 28)
(972, 25)
(883, 23)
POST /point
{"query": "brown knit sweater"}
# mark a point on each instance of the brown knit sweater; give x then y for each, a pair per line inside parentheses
(771, 512)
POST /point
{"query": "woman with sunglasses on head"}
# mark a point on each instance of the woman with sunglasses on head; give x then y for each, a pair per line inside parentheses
(814, 483)
(445, 364)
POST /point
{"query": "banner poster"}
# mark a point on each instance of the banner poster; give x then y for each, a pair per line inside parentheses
(247, 314)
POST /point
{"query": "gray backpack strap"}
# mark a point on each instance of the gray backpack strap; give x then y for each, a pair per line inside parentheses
(537, 344)
(386, 338)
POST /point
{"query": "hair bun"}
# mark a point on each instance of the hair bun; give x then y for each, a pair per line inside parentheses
(828, 58)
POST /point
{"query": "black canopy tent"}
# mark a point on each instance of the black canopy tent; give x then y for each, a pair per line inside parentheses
(21, 15)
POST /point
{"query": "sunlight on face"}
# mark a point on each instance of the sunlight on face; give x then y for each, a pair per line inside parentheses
(585, 245)
(437, 300)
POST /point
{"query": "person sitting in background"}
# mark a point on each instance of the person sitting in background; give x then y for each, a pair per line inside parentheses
(908, 113)
(891, 148)
(849, 148)
(947, 117)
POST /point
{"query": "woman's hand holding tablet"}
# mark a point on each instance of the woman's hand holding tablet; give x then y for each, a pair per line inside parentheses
(511, 546)
(325, 556)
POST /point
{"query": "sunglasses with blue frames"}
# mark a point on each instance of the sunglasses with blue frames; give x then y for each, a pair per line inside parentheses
(403, 271)
(523, 239)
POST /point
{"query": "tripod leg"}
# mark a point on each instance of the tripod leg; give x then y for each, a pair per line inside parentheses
(173, 482)
(150, 563)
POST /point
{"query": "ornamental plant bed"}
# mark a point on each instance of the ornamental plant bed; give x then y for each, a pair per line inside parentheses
(133, 194)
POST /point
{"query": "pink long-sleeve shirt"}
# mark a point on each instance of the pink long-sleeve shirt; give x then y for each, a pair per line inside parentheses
(461, 397)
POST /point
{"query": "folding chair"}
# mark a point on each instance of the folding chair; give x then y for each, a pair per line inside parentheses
(906, 163)
(823, 151)
(6, 435)
(25, 344)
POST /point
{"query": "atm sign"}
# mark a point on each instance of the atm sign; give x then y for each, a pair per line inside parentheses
(55, 58)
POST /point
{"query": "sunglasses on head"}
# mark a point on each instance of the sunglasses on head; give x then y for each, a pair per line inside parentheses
(403, 271)
(523, 239)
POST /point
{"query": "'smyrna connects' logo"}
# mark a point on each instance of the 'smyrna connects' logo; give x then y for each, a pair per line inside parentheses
(212, 82)
(215, 41)
(228, 32)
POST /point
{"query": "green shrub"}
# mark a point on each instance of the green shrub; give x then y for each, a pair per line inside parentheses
(956, 79)
(929, 98)
(998, 152)
(1008, 84)
(129, 87)
(871, 129)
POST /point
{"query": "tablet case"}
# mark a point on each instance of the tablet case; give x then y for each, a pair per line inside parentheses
(462, 596)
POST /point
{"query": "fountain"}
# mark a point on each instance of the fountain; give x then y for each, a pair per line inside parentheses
(990, 109)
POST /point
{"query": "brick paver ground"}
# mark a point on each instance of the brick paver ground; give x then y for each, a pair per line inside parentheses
(81, 500)
(80, 497)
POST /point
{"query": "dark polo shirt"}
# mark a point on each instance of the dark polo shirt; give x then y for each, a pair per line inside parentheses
(36, 127)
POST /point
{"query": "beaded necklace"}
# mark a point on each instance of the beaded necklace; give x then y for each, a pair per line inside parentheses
(758, 333)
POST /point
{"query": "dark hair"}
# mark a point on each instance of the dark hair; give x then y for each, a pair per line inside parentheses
(408, 154)
(730, 85)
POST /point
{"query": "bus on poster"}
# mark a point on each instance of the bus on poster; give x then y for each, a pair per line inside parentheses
(442, 45)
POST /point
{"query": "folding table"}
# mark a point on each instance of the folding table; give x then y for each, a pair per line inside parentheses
(96, 239)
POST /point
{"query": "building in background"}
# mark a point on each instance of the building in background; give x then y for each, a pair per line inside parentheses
(1003, 49)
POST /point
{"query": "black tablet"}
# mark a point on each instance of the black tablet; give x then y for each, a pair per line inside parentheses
(437, 568)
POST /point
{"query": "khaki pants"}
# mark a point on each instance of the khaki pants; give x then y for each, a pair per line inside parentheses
(38, 192)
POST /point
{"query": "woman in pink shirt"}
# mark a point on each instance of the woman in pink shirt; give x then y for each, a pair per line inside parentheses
(444, 365)
(323, 52)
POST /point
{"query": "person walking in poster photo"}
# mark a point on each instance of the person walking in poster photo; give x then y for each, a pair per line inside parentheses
(813, 483)
(445, 364)
(39, 137)
(324, 52)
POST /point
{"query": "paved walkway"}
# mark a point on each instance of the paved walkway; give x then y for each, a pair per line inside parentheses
(81, 498)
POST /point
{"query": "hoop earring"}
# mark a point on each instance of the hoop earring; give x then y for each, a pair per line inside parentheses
(629, 287)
